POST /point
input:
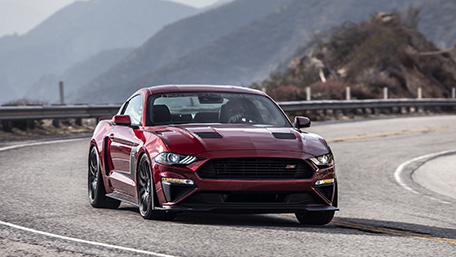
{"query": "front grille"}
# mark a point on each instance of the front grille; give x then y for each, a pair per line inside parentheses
(255, 168)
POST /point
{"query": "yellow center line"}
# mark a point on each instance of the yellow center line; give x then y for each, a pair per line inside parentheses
(403, 132)
(351, 225)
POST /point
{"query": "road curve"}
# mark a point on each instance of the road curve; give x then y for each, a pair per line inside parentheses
(44, 208)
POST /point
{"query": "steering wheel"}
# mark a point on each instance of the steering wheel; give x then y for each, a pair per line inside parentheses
(242, 118)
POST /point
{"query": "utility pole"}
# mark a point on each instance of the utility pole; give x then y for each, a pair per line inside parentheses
(62, 99)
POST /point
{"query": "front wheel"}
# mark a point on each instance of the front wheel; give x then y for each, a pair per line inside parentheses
(315, 217)
(146, 194)
(97, 193)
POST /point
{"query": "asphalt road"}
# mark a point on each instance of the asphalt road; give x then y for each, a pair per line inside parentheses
(387, 206)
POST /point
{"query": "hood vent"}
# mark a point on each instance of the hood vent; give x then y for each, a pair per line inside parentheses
(284, 135)
(208, 134)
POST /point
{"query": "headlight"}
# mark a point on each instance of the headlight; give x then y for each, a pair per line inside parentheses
(325, 160)
(174, 159)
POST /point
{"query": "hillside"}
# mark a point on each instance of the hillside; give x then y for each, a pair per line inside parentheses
(246, 54)
(79, 31)
(217, 4)
(385, 51)
(177, 40)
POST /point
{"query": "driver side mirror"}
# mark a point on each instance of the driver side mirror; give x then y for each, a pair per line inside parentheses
(122, 120)
(302, 122)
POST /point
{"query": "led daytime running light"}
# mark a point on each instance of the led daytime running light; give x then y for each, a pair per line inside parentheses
(178, 181)
(324, 181)
(187, 160)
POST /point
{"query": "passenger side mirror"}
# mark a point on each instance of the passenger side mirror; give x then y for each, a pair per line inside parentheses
(302, 122)
(122, 120)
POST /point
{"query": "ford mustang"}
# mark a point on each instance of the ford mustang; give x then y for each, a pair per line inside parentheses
(178, 148)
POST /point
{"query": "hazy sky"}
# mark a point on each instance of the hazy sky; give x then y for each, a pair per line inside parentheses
(19, 16)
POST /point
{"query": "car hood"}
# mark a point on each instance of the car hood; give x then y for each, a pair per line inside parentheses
(194, 139)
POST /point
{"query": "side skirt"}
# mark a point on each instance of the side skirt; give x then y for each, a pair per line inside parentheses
(122, 197)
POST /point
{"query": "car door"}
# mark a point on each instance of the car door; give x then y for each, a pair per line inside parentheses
(124, 145)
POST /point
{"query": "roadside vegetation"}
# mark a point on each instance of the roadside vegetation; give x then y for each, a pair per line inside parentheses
(385, 51)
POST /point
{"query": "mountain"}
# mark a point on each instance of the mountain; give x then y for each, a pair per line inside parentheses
(80, 31)
(437, 21)
(217, 4)
(385, 51)
(15, 17)
(7, 92)
(240, 56)
(46, 88)
(177, 40)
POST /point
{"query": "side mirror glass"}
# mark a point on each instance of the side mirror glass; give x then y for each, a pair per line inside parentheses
(123, 120)
(302, 122)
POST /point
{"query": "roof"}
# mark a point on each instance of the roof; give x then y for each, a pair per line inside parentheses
(202, 88)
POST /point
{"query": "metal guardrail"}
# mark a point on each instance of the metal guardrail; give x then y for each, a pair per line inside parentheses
(56, 112)
(8, 113)
(367, 104)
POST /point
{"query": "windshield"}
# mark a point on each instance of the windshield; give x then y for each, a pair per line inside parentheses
(209, 107)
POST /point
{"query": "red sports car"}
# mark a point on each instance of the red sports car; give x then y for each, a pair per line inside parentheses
(176, 148)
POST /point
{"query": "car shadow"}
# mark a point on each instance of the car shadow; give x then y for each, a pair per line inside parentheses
(287, 222)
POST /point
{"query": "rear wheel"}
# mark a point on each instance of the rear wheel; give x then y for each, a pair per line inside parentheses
(97, 193)
(146, 194)
(315, 217)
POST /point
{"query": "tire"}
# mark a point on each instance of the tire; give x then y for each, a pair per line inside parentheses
(97, 193)
(146, 193)
(315, 218)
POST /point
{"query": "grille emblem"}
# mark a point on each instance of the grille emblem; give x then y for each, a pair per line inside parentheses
(290, 167)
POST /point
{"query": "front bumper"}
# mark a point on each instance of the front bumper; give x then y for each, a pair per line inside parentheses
(251, 202)
(244, 196)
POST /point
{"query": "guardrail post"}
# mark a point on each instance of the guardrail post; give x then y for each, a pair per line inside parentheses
(420, 93)
(62, 99)
(56, 123)
(347, 93)
(385, 93)
(308, 94)
(453, 93)
(7, 126)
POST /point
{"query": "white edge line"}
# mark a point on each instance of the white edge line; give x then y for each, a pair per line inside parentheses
(66, 237)
(6, 148)
(400, 169)
(82, 241)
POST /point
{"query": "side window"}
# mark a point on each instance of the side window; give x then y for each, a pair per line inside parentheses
(134, 108)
